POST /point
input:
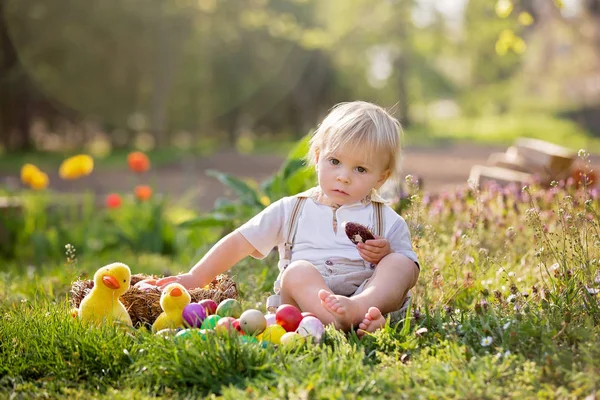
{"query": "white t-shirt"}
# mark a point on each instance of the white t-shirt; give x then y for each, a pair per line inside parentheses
(316, 240)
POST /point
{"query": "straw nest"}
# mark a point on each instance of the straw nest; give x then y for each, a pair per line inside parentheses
(144, 305)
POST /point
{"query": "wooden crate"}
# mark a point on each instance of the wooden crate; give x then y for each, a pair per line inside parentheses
(481, 174)
(539, 155)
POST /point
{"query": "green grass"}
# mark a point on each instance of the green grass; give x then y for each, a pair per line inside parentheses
(506, 306)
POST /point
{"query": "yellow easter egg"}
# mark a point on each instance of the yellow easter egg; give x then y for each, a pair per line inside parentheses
(273, 334)
(292, 339)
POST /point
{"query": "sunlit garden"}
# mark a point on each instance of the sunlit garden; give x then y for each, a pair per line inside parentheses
(506, 305)
(121, 123)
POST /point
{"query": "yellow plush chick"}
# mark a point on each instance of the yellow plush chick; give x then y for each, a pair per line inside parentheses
(173, 300)
(102, 303)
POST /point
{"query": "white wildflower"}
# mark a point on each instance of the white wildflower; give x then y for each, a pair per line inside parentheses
(506, 325)
(511, 274)
(593, 291)
(486, 341)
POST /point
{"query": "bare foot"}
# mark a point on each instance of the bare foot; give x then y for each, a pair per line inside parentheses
(341, 308)
(373, 320)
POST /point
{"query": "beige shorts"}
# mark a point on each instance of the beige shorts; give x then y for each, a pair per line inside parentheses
(344, 276)
(349, 277)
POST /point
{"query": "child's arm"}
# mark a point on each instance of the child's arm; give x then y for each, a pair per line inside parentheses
(221, 257)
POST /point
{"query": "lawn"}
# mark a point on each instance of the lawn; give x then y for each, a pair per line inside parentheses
(506, 305)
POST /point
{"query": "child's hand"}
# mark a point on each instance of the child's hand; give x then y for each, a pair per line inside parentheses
(374, 250)
(187, 280)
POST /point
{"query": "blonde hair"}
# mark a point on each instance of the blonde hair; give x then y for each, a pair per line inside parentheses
(362, 125)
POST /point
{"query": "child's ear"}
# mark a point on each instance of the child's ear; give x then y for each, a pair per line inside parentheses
(384, 177)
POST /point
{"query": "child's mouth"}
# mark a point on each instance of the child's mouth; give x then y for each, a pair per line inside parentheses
(340, 192)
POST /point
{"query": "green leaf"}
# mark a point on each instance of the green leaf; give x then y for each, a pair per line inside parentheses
(245, 192)
(211, 220)
(301, 149)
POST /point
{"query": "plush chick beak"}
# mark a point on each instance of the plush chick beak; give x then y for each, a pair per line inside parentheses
(111, 282)
(176, 292)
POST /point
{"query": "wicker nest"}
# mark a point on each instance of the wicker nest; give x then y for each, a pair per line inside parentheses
(144, 305)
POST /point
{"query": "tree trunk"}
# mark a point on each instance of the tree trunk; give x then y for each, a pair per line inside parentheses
(15, 95)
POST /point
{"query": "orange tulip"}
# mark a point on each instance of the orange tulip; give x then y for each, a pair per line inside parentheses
(113, 200)
(138, 162)
(143, 192)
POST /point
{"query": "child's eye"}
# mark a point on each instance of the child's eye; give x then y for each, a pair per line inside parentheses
(334, 161)
(361, 170)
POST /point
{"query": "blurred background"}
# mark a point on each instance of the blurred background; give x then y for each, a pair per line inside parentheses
(220, 83)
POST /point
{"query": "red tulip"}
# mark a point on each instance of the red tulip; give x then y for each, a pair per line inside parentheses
(113, 200)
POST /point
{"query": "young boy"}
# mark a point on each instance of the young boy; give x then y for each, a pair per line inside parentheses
(355, 150)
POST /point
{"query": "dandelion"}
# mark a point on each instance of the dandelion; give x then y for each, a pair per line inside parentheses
(113, 200)
(486, 341)
(143, 192)
(138, 162)
(76, 167)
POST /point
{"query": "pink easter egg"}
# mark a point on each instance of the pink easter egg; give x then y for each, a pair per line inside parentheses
(311, 327)
(270, 319)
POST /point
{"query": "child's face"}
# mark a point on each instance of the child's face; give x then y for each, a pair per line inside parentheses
(346, 177)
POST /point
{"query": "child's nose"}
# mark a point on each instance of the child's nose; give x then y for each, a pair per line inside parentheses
(343, 177)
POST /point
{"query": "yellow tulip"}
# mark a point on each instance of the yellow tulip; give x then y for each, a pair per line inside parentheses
(77, 166)
(27, 172)
(39, 181)
(264, 200)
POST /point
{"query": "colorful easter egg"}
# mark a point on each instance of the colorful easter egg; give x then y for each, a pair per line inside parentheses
(229, 308)
(209, 305)
(272, 333)
(168, 332)
(253, 322)
(193, 314)
(210, 322)
(288, 316)
(226, 325)
(311, 327)
(270, 318)
(186, 333)
(292, 339)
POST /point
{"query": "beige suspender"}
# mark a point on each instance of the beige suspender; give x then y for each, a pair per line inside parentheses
(292, 228)
(378, 218)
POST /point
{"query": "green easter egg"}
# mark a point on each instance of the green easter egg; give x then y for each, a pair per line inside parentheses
(248, 339)
(187, 333)
(229, 308)
(210, 322)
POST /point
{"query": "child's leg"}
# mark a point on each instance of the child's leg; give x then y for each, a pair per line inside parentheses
(394, 276)
(300, 286)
